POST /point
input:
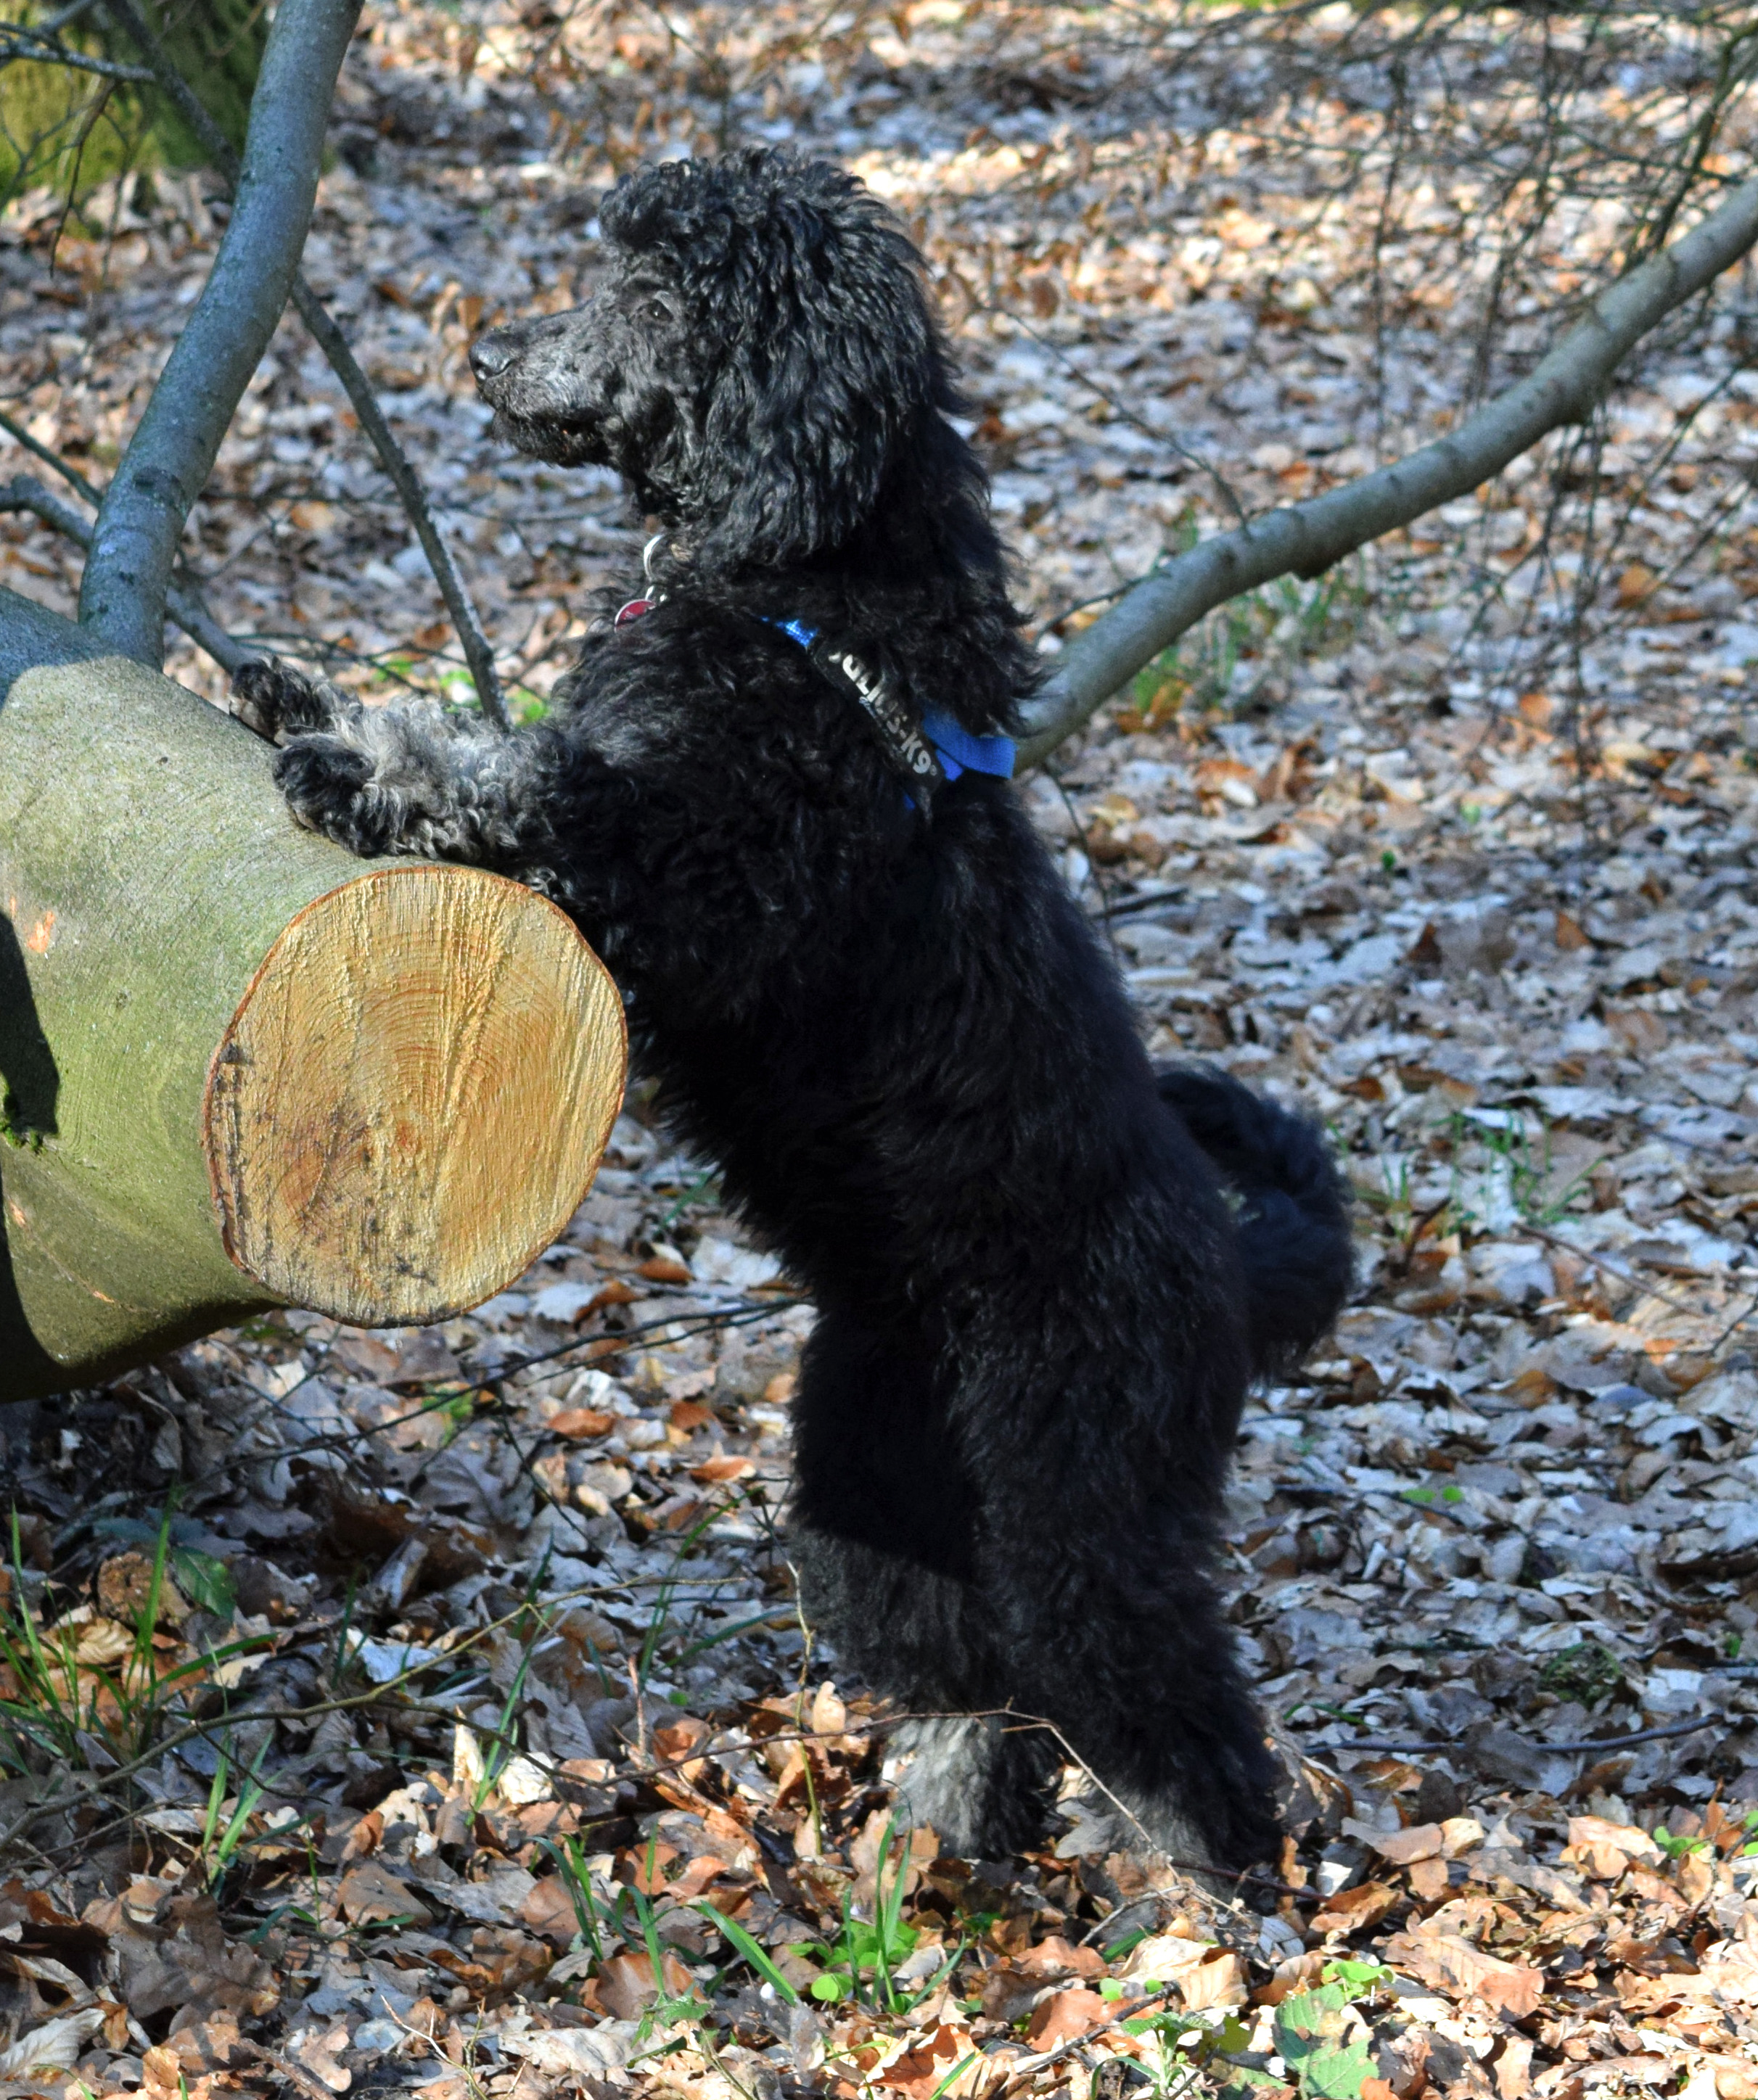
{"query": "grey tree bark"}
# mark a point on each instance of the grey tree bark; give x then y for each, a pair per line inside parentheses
(172, 451)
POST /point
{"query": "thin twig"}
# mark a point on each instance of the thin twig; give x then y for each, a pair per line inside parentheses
(1305, 539)
(46, 50)
(396, 462)
(183, 600)
(1615, 1269)
(70, 474)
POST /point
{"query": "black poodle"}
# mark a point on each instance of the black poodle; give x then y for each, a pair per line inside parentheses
(771, 796)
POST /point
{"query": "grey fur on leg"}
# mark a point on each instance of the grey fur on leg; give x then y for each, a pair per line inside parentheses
(979, 1782)
(402, 779)
(1132, 1822)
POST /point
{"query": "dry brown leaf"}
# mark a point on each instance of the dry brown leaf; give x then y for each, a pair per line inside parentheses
(922, 2069)
(549, 1912)
(624, 1986)
(1066, 2015)
(715, 1472)
(1419, 1841)
(1605, 1850)
(582, 1423)
(1054, 1956)
(1455, 1966)
(369, 1893)
(1353, 1910)
(1636, 583)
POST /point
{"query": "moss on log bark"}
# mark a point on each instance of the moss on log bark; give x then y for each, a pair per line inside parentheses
(241, 1069)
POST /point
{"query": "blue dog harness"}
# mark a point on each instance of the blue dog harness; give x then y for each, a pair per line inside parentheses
(926, 757)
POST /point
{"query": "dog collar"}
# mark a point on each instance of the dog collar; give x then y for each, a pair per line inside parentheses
(633, 608)
(926, 757)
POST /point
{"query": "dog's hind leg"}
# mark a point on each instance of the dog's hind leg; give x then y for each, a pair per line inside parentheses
(979, 1779)
(1119, 1641)
(880, 1534)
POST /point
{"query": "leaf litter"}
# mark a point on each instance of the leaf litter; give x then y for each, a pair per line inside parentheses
(431, 1709)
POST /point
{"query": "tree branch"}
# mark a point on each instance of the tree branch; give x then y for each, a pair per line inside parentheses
(1306, 538)
(403, 478)
(168, 458)
(182, 601)
(70, 474)
(334, 345)
(22, 43)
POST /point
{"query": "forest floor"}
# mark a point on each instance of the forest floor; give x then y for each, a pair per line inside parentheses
(432, 1709)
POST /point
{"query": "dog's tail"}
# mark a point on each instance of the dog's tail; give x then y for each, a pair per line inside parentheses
(1293, 1225)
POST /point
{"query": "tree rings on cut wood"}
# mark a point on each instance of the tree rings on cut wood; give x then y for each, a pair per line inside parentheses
(412, 1096)
(239, 1068)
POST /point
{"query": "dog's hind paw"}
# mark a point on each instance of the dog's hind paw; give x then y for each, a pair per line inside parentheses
(981, 1790)
(275, 701)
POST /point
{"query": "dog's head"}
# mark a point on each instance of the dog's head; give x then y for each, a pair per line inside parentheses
(758, 362)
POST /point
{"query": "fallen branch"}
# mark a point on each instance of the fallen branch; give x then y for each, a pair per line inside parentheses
(134, 547)
(477, 654)
(1305, 539)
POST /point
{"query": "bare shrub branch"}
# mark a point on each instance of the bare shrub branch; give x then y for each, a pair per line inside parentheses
(173, 449)
(182, 601)
(330, 339)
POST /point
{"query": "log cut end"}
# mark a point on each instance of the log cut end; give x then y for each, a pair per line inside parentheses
(413, 1095)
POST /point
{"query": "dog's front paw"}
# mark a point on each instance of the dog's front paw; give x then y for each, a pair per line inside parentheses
(325, 782)
(276, 701)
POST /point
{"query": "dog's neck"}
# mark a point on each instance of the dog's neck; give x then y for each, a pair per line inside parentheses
(918, 588)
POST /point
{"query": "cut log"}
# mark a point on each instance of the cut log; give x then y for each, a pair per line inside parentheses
(242, 1069)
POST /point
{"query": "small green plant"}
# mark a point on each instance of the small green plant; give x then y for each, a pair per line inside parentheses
(862, 1963)
(576, 1879)
(759, 1958)
(1181, 2046)
(1319, 2037)
(218, 1843)
(1679, 1848)
(1588, 1672)
(1434, 1497)
(1525, 1171)
(665, 2010)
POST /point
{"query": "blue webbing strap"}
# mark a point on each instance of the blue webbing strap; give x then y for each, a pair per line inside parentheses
(958, 751)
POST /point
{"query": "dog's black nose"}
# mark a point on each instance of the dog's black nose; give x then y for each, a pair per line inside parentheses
(489, 356)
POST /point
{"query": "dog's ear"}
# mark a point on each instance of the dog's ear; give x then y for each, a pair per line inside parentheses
(827, 375)
(832, 370)
(817, 400)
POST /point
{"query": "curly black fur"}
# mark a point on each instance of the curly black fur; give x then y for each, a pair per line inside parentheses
(892, 1026)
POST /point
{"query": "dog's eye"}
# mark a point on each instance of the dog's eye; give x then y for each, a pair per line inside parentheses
(655, 310)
